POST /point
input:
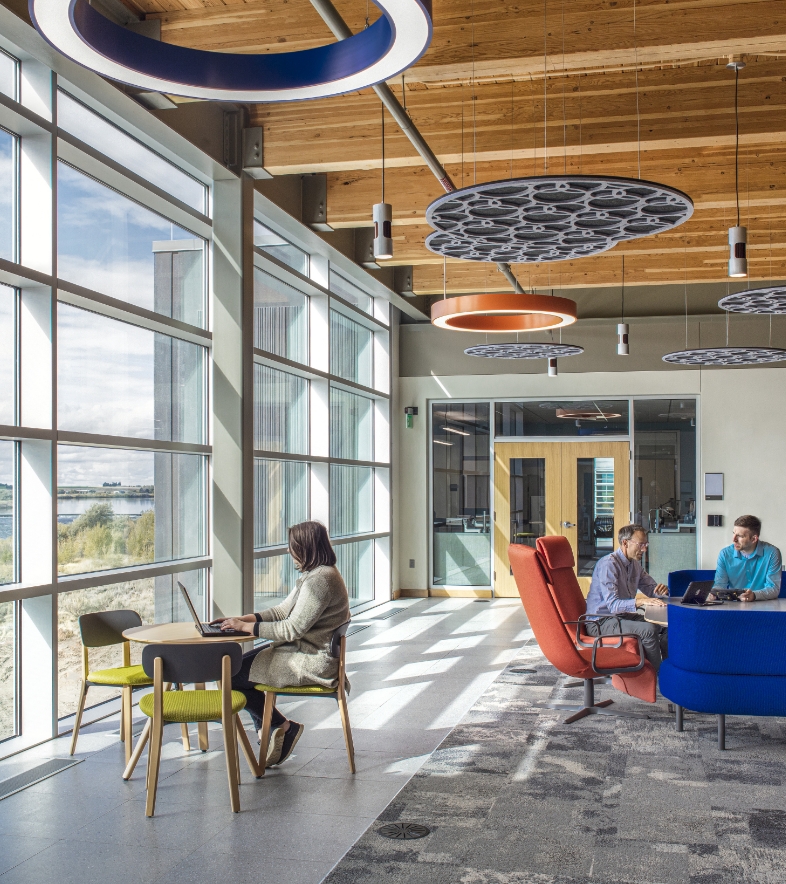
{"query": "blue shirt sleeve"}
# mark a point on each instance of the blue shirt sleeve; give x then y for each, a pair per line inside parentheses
(772, 586)
(608, 582)
(721, 575)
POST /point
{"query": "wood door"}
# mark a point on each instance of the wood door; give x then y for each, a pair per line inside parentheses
(591, 520)
(542, 458)
(578, 489)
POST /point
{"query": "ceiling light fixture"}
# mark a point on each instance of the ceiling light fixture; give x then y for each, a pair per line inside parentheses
(457, 432)
(503, 312)
(393, 43)
(767, 300)
(726, 356)
(382, 213)
(623, 329)
(738, 236)
(585, 414)
(440, 442)
(551, 217)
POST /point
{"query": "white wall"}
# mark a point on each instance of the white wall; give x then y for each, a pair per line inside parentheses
(742, 423)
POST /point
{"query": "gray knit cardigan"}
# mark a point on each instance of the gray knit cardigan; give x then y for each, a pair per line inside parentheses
(301, 628)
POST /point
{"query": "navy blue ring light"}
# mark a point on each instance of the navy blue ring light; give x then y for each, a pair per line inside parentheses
(393, 43)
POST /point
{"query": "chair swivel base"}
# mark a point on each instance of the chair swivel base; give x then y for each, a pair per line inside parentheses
(603, 679)
(590, 707)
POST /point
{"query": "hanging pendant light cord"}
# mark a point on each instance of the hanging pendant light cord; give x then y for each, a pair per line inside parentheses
(623, 289)
(737, 142)
(636, 65)
(383, 153)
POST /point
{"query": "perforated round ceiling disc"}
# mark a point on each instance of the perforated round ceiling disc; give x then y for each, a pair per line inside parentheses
(524, 351)
(771, 299)
(726, 356)
(551, 217)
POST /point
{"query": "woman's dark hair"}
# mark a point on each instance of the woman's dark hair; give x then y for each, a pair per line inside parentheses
(309, 546)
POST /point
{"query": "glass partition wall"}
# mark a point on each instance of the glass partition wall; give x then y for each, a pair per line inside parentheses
(116, 421)
(662, 436)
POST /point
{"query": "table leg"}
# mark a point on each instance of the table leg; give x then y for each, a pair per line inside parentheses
(721, 731)
(679, 718)
(202, 725)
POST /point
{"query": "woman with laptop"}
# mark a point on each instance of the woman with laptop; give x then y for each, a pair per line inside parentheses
(300, 628)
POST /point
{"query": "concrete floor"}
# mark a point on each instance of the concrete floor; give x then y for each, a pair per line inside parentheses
(414, 675)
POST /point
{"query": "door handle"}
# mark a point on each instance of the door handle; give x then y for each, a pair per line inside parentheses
(568, 525)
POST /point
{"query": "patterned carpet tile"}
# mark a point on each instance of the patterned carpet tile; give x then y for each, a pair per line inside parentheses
(515, 796)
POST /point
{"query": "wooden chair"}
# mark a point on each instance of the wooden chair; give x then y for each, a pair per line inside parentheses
(100, 630)
(193, 663)
(338, 650)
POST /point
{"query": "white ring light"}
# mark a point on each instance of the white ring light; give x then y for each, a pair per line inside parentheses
(393, 43)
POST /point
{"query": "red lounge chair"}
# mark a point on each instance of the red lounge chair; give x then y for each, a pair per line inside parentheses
(556, 610)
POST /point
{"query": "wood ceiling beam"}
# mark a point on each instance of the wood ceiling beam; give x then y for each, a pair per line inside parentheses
(685, 108)
(506, 36)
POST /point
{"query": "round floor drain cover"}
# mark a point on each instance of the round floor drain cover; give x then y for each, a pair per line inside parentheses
(403, 831)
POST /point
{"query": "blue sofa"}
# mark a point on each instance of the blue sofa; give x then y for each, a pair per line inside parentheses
(725, 660)
(678, 581)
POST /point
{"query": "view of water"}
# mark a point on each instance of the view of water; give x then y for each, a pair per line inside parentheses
(70, 508)
(6, 525)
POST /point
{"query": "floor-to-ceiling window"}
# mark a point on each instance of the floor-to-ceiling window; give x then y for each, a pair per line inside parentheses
(321, 421)
(142, 426)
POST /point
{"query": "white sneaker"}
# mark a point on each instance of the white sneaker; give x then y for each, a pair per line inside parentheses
(275, 746)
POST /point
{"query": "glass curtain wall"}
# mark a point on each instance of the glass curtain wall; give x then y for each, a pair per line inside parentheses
(315, 441)
(128, 442)
(113, 423)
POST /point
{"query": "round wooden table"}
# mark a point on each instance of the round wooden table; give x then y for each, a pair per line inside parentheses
(176, 633)
(180, 633)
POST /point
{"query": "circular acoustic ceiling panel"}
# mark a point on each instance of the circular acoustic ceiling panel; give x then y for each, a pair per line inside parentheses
(771, 299)
(551, 217)
(726, 356)
(524, 351)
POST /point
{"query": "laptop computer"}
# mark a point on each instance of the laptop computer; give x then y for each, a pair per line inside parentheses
(697, 593)
(205, 629)
(728, 595)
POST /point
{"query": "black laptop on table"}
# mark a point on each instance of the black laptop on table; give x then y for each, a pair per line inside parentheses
(206, 630)
(698, 592)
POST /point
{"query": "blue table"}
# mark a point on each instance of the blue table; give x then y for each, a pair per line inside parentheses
(726, 659)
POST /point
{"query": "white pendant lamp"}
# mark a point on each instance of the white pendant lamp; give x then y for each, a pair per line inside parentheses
(738, 235)
(382, 213)
(553, 370)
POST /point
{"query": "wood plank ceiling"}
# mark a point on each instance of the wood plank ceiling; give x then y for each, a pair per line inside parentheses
(612, 97)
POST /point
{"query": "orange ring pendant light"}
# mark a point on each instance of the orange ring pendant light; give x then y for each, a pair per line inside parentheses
(503, 312)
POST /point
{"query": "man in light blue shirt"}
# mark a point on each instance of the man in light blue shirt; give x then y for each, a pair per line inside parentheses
(749, 563)
(615, 581)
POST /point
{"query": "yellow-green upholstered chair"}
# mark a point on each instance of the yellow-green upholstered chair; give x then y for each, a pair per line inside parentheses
(100, 630)
(193, 663)
(338, 649)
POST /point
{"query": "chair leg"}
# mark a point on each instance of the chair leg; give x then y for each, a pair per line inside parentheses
(184, 729)
(344, 711)
(721, 732)
(246, 747)
(80, 708)
(127, 716)
(267, 716)
(230, 751)
(204, 745)
(679, 718)
(123, 699)
(153, 765)
(137, 753)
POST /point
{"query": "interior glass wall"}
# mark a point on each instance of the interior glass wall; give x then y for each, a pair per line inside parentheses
(461, 457)
(586, 417)
(280, 411)
(279, 318)
(664, 482)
